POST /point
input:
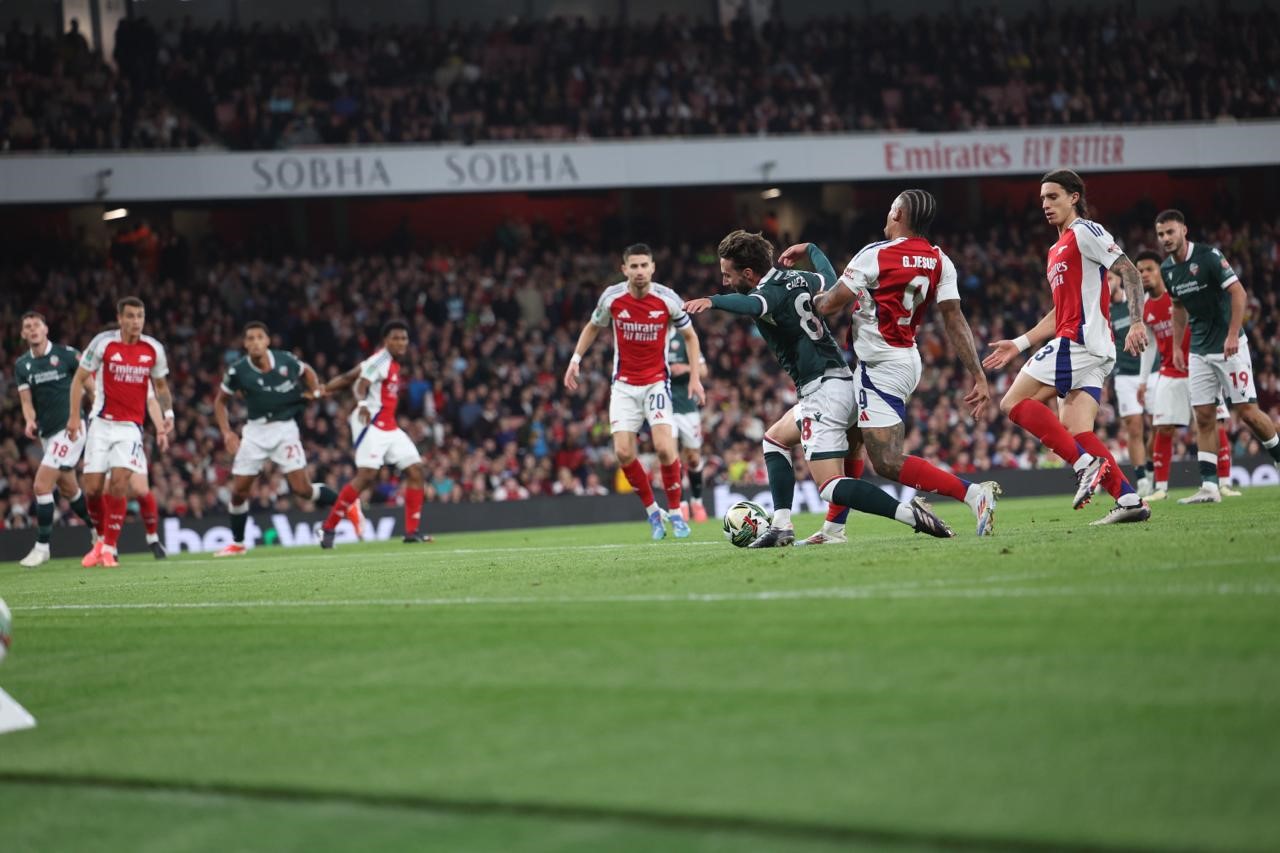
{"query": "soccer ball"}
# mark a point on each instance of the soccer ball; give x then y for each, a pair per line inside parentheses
(744, 521)
(5, 621)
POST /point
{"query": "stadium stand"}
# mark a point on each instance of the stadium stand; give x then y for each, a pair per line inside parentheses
(265, 87)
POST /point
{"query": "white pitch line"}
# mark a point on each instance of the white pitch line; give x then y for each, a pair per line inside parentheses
(834, 594)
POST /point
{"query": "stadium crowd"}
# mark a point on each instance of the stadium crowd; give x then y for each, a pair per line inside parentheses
(264, 87)
(492, 332)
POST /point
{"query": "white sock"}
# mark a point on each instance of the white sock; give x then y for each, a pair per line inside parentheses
(153, 538)
(1224, 481)
(1162, 486)
(971, 496)
(238, 509)
(1272, 442)
(1083, 462)
(781, 519)
(1129, 500)
(831, 528)
(651, 508)
(44, 499)
(42, 547)
(905, 515)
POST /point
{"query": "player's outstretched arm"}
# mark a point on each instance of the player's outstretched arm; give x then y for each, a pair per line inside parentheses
(588, 336)
(77, 399)
(315, 389)
(1136, 341)
(961, 337)
(1180, 318)
(694, 349)
(746, 304)
(31, 430)
(230, 440)
(1005, 351)
(342, 380)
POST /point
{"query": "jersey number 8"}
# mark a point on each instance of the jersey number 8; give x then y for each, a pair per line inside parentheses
(808, 320)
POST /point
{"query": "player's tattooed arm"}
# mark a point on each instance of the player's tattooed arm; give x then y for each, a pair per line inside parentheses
(165, 398)
(77, 398)
(1136, 341)
(961, 337)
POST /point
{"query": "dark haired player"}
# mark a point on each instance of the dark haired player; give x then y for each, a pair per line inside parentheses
(641, 311)
(1078, 350)
(1209, 299)
(891, 285)
(275, 387)
(781, 302)
(381, 441)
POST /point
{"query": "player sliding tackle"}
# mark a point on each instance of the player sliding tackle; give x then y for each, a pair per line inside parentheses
(891, 285)
(641, 311)
(1079, 351)
(781, 302)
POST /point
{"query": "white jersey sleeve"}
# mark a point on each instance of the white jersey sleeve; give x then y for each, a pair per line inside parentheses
(948, 283)
(376, 367)
(1097, 246)
(675, 305)
(160, 369)
(91, 360)
(863, 272)
(602, 316)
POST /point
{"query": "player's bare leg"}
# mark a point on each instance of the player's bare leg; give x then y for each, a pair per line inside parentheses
(415, 483)
(664, 444)
(692, 458)
(350, 494)
(624, 450)
(884, 448)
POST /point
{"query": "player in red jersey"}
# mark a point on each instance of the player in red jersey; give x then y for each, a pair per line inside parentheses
(891, 286)
(641, 311)
(124, 364)
(1079, 351)
(1168, 395)
(380, 440)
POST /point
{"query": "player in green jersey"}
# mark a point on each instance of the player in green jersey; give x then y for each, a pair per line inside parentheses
(44, 373)
(687, 418)
(275, 387)
(781, 302)
(1207, 296)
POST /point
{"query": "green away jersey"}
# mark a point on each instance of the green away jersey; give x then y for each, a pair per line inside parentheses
(678, 353)
(1126, 364)
(789, 325)
(1199, 284)
(48, 376)
(275, 394)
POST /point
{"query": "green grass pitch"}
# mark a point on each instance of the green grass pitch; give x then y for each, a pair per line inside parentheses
(1056, 687)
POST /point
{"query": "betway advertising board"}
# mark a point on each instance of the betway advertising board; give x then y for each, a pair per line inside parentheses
(419, 169)
(297, 529)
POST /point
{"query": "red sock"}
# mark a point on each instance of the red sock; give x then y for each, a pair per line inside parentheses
(412, 510)
(96, 504)
(149, 512)
(1224, 453)
(920, 474)
(116, 507)
(639, 481)
(338, 511)
(853, 467)
(671, 485)
(1036, 418)
(1161, 451)
(1115, 481)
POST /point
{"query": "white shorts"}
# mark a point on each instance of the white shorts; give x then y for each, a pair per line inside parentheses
(883, 390)
(688, 429)
(1067, 366)
(114, 444)
(61, 452)
(1171, 403)
(1213, 376)
(824, 417)
(631, 405)
(378, 447)
(1152, 381)
(275, 441)
(1127, 395)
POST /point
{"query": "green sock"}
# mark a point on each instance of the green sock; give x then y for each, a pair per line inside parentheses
(79, 508)
(864, 497)
(322, 495)
(239, 520)
(695, 483)
(1273, 448)
(44, 521)
(1208, 468)
(782, 479)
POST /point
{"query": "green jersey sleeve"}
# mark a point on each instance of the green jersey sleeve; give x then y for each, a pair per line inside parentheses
(231, 380)
(1222, 271)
